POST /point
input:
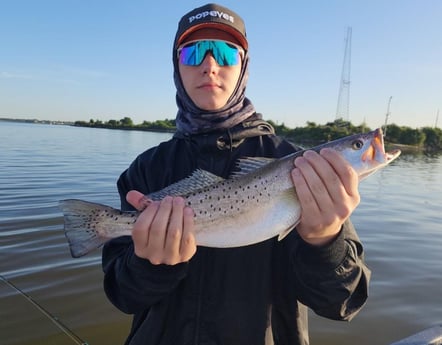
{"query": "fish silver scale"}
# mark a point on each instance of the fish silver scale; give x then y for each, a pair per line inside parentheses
(246, 209)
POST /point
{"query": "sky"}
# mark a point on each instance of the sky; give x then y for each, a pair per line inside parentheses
(71, 60)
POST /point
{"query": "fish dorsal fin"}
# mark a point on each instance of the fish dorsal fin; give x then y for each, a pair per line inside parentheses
(198, 180)
(249, 164)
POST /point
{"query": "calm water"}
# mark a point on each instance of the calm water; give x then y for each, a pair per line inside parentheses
(399, 221)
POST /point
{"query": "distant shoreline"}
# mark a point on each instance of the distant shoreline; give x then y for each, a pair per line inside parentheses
(73, 124)
(425, 139)
(36, 121)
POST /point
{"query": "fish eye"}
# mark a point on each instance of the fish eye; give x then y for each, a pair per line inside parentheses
(357, 144)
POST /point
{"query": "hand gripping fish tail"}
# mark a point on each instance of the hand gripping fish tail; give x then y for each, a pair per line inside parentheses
(88, 225)
(274, 213)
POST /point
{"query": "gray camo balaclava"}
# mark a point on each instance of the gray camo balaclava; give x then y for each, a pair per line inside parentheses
(190, 119)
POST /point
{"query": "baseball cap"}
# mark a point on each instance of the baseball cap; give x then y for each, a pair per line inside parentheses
(212, 16)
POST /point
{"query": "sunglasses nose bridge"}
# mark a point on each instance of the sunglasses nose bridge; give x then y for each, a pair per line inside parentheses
(209, 62)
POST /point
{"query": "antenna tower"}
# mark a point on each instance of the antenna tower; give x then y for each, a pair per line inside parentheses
(342, 109)
(387, 115)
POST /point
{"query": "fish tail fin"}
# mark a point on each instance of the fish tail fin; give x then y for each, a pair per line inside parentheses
(79, 227)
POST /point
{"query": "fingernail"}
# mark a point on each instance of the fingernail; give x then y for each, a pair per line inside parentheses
(168, 199)
(296, 172)
(299, 160)
(188, 211)
(144, 202)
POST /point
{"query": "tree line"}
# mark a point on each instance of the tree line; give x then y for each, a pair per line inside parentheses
(127, 123)
(427, 138)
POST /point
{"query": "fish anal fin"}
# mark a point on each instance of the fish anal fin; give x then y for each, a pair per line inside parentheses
(284, 233)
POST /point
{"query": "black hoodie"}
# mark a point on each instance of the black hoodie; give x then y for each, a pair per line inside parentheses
(232, 296)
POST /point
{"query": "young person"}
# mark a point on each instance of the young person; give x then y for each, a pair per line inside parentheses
(180, 293)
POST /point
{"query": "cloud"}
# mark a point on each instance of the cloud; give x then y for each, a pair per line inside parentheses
(14, 75)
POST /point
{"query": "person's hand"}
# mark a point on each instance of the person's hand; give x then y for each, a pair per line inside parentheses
(327, 189)
(163, 232)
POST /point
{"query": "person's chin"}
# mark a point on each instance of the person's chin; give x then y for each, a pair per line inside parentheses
(209, 106)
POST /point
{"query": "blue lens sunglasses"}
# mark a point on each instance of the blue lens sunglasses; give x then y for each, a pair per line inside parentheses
(224, 53)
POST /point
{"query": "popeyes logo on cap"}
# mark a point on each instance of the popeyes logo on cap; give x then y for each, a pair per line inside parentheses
(218, 14)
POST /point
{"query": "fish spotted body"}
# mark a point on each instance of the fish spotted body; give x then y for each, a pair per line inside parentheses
(256, 203)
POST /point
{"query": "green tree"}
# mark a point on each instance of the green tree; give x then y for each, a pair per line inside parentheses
(433, 138)
(113, 123)
(127, 122)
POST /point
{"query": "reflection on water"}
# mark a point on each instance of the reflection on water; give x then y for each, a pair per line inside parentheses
(41, 165)
(398, 220)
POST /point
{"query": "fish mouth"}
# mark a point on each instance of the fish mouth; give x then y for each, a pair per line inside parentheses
(375, 151)
(378, 146)
(388, 157)
(376, 154)
(378, 149)
(391, 156)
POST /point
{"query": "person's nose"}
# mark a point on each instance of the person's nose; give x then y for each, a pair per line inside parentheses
(209, 64)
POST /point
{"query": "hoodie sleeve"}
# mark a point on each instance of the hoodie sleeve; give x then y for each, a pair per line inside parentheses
(332, 280)
(131, 283)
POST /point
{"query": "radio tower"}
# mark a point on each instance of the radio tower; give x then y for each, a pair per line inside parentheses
(342, 109)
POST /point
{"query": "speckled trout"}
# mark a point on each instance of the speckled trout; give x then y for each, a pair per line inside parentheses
(256, 203)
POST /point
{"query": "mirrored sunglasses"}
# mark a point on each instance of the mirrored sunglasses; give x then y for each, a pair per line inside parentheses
(224, 53)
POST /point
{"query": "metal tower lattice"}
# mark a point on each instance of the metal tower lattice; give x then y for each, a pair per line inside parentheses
(343, 108)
